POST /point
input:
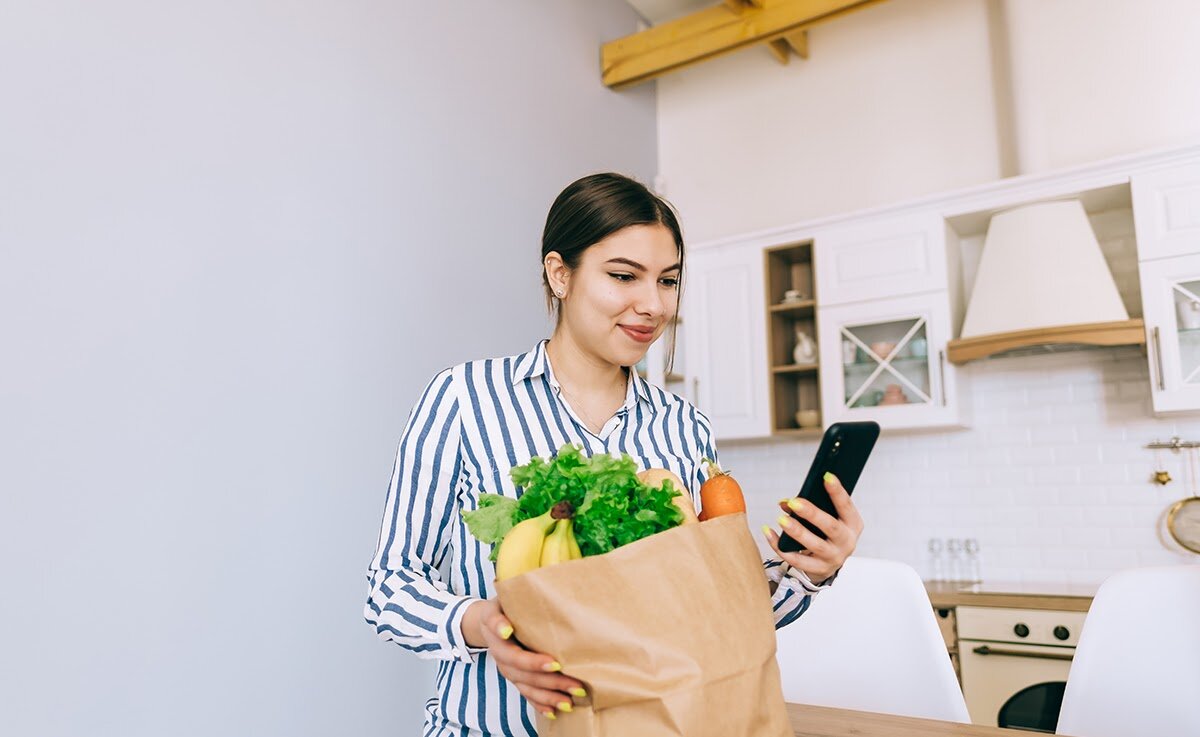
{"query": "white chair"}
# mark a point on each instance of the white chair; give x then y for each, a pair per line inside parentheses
(1137, 666)
(871, 642)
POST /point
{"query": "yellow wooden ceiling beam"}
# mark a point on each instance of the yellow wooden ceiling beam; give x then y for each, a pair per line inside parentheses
(720, 29)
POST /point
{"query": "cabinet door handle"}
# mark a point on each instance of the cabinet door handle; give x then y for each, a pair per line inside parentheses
(942, 373)
(1158, 359)
(985, 650)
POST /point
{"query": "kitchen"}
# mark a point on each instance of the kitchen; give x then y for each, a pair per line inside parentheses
(1048, 487)
(222, 221)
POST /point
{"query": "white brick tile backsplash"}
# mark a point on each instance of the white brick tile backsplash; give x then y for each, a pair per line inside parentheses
(1052, 478)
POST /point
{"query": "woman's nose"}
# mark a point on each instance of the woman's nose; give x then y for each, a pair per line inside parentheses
(650, 302)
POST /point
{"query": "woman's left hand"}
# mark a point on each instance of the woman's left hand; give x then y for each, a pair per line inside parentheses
(821, 558)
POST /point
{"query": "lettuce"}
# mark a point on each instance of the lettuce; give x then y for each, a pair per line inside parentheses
(612, 508)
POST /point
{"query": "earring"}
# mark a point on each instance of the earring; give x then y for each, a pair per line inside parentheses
(560, 294)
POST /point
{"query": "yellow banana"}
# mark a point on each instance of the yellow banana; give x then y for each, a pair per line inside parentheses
(521, 548)
(561, 544)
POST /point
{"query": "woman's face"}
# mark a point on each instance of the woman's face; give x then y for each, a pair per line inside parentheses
(623, 293)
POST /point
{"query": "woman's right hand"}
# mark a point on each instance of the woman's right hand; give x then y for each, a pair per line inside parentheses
(537, 676)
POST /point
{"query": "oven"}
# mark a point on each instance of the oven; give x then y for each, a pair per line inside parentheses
(1014, 664)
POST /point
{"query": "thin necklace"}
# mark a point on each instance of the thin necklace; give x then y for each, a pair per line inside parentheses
(578, 406)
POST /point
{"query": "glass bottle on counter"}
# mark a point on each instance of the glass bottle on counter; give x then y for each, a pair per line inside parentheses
(936, 568)
(972, 572)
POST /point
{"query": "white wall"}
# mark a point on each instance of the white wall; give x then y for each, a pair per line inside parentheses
(1095, 80)
(914, 97)
(894, 101)
(1052, 478)
(235, 241)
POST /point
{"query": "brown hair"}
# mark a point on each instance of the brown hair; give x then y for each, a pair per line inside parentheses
(594, 207)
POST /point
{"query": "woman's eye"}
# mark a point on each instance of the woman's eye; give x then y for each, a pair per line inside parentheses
(670, 282)
(622, 277)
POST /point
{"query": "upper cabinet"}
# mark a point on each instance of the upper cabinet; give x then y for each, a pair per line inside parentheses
(726, 361)
(1166, 203)
(885, 360)
(891, 286)
(887, 257)
(1171, 304)
(885, 316)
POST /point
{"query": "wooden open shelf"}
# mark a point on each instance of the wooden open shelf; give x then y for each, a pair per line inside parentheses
(792, 386)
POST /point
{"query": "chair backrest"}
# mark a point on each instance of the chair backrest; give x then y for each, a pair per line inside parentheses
(1137, 666)
(871, 642)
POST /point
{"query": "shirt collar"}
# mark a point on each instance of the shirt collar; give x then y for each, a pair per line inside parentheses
(536, 363)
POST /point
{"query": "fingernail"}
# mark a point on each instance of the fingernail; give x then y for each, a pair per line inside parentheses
(796, 505)
(505, 631)
(564, 706)
(552, 667)
(785, 500)
(579, 693)
(551, 715)
(829, 476)
(766, 530)
(783, 520)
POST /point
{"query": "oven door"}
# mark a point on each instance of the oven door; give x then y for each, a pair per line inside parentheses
(1014, 685)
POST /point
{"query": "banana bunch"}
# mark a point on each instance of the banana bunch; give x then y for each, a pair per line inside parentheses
(538, 541)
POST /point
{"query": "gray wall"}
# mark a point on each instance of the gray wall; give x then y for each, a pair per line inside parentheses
(236, 238)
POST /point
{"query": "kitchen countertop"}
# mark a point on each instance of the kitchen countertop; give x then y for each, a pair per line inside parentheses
(1061, 597)
(822, 721)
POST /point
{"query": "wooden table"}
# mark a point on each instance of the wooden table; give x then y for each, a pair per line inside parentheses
(822, 721)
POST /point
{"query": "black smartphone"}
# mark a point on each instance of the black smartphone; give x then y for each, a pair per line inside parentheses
(844, 451)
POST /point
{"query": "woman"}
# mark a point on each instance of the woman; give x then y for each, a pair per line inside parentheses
(612, 257)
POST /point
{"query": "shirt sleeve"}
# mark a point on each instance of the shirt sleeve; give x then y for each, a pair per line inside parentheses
(408, 603)
(794, 591)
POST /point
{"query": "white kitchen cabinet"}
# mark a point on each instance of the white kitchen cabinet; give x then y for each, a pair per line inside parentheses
(725, 340)
(878, 258)
(885, 361)
(1166, 207)
(1171, 310)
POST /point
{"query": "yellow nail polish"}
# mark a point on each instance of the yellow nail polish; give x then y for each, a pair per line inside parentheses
(579, 693)
(796, 505)
(766, 530)
(551, 715)
(829, 476)
(785, 500)
(783, 520)
(552, 667)
(564, 706)
(506, 631)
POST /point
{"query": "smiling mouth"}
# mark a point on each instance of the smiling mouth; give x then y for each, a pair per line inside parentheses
(638, 333)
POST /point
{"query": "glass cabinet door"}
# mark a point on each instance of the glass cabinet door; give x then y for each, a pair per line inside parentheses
(1171, 306)
(886, 363)
(1186, 296)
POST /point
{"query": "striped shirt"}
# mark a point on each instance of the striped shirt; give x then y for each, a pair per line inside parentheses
(473, 423)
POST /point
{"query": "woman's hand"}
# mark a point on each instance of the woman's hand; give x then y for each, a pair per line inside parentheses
(535, 675)
(821, 558)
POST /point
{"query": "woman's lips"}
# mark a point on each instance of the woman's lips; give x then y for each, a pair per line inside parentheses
(644, 335)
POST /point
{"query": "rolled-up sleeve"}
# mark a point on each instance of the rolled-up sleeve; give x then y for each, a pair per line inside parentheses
(408, 603)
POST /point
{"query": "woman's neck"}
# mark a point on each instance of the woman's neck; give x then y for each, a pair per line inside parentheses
(580, 371)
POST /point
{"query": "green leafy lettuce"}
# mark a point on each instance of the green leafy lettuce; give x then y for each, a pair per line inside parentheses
(612, 508)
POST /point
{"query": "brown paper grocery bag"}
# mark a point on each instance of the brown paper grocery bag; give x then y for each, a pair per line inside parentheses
(671, 635)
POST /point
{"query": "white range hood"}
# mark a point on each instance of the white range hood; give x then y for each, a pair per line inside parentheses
(1042, 281)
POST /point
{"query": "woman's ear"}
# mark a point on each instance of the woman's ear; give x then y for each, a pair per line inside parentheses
(557, 272)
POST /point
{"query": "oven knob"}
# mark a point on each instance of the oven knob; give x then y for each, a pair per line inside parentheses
(1021, 630)
(1061, 632)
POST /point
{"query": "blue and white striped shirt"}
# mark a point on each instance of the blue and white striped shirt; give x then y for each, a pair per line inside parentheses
(472, 424)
